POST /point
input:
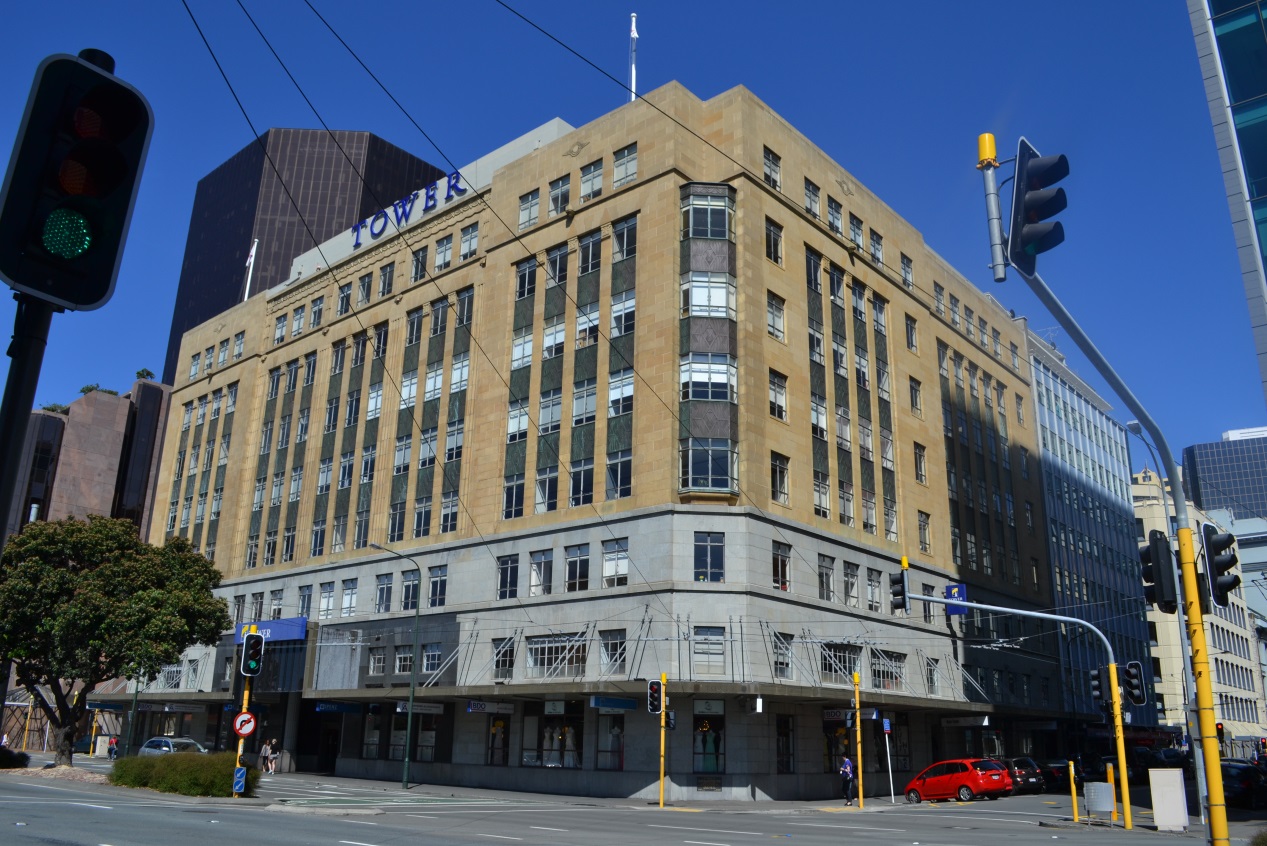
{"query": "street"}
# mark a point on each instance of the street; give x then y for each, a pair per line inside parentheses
(305, 809)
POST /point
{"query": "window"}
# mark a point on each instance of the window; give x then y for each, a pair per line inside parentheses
(431, 655)
(361, 538)
(578, 567)
(292, 375)
(345, 470)
(813, 271)
(771, 167)
(344, 303)
(339, 533)
(439, 316)
(708, 376)
(326, 601)
(782, 648)
(419, 269)
(620, 393)
(877, 247)
(332, 414)
(460, 372)
(917, 401)
(818, 416)
(386, 277)
(422, 517)
(507, 576)
(708, 650)
(363, 289)
(939, 298)
(274, 382)
(465, 304)
(337, 354)
(275, 498)
(623, 314)
(453, 437)
(409, 389)
(557, 266)
(781, 565)
(540, 575)
(550, 656)
(279, 335)
(239, 342)
(773, 241)
(503, 658)
(374, 402)
(908, 277)
(912, 334)
(296, 483)
(615, 562)
(358, 349)
(552, 339)
(625, 238)
(528, 204)
(855, 230)
(513, 496)
(582, 473)
(560, 194)
(811, 198)
(886, 448)
(613, 654)
(779, 478)
(862, 367)
(774, 315)
(816, 353)
(888, 670)
(521, 348)
(708, 216)
(921, 464)
(404, 659)
(437, 585)
(834, 215)
(324, 471)
(470, 241)
(822, 494)
(706, 294)
(547, 489)
(873, 589)
(449, 512)
(444, 253)
(924, 518)
(434, 383)
(710, 557)
(588, 253)
(591, 180)
(401, 461)
(708, 464)
(270, 551)
(427, 447)
(378, 659)
(352, 408)
(584, 398)
(868, 511)
(619, 474)
(625, 165)
(826, 578)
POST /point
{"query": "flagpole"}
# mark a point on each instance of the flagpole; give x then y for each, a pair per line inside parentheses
(633, 56)
(250, 269)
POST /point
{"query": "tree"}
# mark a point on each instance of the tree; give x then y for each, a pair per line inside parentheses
(57, 407)
(96, 386)
(85, 602)
(145, 373)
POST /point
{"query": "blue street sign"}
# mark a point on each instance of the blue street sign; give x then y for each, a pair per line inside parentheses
(239, 779)
(956, 592)
(886, 725)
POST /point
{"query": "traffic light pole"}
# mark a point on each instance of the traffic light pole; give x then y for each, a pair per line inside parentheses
(857, 734)
(664, 710)
(1115, 695)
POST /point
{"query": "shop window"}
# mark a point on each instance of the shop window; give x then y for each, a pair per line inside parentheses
(552, 734)
(611, 742)
(709, 743)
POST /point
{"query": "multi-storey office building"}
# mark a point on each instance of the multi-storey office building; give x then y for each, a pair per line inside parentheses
(1229, 474)
(1236, 676)
(1086, 472)
(655, 395)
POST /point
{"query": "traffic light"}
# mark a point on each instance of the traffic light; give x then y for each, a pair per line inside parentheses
(899, 589)
(1135, 682)
(1158, 572)
(67, 197)
(1219, 558)
(1262, 744)
(252, 653)
(1218, 732)
(1097, 690)
(655, 698)
(1033, 201)
(670, 720)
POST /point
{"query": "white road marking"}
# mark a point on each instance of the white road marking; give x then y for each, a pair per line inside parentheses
(421, 816)
(709, 830)
(543, 828)
(855, 827)
(355, 843)
(358, 822)
(705, 843)
(46, 786)
(90, 805)
(499, 836)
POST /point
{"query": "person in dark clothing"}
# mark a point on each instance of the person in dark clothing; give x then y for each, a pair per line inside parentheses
(847, 779)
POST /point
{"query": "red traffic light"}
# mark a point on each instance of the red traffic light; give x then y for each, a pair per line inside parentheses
(655, 697)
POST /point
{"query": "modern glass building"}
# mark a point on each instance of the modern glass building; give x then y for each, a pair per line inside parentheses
(1085, 467)
(1231, 38)
(1230, 474)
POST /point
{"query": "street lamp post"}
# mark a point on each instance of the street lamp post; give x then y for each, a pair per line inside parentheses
(1189, 688)
(413, 674)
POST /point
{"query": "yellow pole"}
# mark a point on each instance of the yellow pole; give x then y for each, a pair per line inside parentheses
(1073, 791)
(857, 734)
(1108, 777)
(1205, 696)
(26, 729)
(1115, 700)
(92, 737)
(246, 704)
(664, 710)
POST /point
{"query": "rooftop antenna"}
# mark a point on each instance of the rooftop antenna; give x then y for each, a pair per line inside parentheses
(633, 56)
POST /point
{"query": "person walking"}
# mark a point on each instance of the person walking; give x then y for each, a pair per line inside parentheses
(274, 752)
(112, 747)
(847, 779)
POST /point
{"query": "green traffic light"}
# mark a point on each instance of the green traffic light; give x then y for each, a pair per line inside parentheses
(66, 234)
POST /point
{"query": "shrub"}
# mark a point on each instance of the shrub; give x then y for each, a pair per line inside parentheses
(11, 759)
(1259, 839)
(187, 773)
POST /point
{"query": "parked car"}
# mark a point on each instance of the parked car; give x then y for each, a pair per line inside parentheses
(1244, 785)
(1056, 773)
(1025, 774)
(1098, 769)
(166, 745)
(962, 778)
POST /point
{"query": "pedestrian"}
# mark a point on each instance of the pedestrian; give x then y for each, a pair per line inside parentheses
(112, 747)
(847, 779)
(4, 742)
(274, 752)
(264, 750)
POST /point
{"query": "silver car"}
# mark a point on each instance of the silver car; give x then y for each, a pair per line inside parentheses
(165, 745)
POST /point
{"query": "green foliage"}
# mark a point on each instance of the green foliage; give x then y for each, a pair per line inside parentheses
(11, 759)
(145, 373)
(57, 407)
(88, 389)
(187, 773)
(90, 601)
(1259, 839)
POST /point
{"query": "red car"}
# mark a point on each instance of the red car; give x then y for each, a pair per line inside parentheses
(962, 778)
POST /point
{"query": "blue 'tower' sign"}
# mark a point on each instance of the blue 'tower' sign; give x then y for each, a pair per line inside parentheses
(288, 628)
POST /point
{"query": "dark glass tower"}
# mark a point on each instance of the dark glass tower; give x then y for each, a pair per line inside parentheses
(1230, 474)
(243, 200)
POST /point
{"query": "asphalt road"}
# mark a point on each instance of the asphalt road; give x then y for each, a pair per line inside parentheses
(302, 809)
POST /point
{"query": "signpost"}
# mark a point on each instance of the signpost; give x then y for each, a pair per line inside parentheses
(888, 756)
(244, 724)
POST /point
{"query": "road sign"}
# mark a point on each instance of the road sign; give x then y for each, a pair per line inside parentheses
(886, 726)
(244, 723)
(239, 779)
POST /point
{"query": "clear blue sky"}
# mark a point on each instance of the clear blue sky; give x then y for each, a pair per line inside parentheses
(895, 92)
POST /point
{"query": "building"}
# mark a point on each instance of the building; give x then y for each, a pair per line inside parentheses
(659, 394)
(1230, 41)
(1085, 464)
(1231, 637)
(100, 457)
(284, 192)
(1229, 475)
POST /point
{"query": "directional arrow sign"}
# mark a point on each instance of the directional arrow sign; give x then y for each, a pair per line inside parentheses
(244, 723)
